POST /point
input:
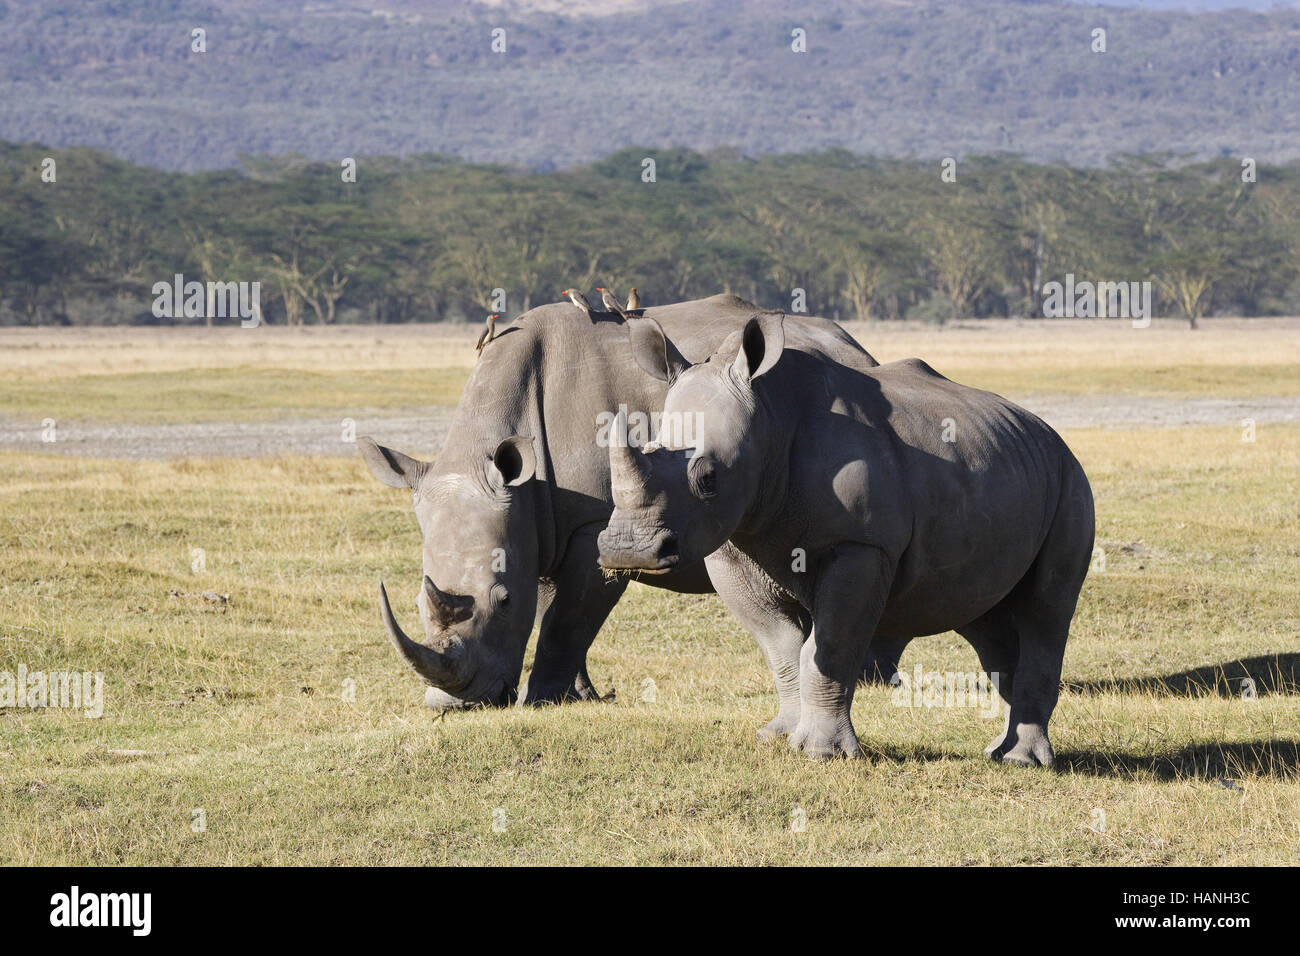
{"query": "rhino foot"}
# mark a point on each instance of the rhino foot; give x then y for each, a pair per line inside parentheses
(583, 689)
(824, 738)
(994, 745)
(539, 690)
(1027, 747)
(782, 725)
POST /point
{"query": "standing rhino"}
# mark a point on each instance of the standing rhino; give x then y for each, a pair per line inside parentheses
(834, 502)
(511, 508)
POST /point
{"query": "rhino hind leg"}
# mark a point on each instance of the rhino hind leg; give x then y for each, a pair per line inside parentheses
(1027, 632)
(1036, 685)
(1020, 646)
(996, 640)
(882, 659)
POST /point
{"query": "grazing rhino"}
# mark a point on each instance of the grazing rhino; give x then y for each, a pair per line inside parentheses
(511, 508)
(832, 503)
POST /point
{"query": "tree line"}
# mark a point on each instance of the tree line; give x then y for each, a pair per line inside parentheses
(85, 237)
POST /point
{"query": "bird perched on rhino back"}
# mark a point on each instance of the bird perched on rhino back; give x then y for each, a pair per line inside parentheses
(610, 301)
(633, 300)
(489, 332)
(580, 300)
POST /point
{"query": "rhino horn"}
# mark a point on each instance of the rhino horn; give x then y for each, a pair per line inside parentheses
(629, 476)
(436, 667)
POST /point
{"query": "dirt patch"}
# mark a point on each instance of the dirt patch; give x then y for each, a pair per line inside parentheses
(423, 431)
(416, 432)
(1132, 411)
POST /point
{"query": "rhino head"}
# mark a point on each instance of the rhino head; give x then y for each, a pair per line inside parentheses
(478, 596)
(681, 496)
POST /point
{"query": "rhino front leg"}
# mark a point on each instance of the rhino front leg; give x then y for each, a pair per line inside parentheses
(848, 598)
(580, 601)
(779, 628)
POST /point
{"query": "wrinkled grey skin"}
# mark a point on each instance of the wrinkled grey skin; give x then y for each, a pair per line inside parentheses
(901, 532)
(511, 508)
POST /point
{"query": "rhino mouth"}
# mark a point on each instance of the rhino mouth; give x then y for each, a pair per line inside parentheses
(621, 550)
(437, 699)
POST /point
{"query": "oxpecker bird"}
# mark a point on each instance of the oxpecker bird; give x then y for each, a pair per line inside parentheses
(633, 300)
(580, 300)
(611, 302)
(488, 333)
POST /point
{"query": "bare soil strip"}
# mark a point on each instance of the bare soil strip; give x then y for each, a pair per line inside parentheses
(423, 431)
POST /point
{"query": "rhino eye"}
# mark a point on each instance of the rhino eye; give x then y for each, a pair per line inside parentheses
(704, 480)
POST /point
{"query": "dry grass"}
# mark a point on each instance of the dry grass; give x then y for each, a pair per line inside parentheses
(231, 374)
(1060, 344)
(44, 353)
(239, 707)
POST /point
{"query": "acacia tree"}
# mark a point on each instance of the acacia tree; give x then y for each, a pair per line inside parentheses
(868, 264)
(1196, 210)
(1187, 276)
(961, 250)
(312, 256)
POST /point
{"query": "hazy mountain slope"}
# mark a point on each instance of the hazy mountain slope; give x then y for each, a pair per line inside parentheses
(1196, 5)
(331, 79)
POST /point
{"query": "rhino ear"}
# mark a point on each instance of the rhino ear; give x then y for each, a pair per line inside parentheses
(513, 463)
(761, 345)
(391, 467)
(654, 351)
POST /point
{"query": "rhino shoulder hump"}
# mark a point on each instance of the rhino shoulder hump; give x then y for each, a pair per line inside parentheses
(919, 367)
(727, 300)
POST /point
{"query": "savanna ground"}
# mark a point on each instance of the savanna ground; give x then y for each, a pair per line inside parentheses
(234, 703)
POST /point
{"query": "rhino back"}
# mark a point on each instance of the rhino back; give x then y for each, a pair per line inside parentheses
(554, 373)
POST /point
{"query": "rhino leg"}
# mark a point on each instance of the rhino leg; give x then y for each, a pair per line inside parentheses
(848, 598)
(996, 640)
(580, 600)
(882, 659)
(1034, 684)
(1040, 609)
(779, 628)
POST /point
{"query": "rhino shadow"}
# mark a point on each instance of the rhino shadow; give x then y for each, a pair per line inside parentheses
(1212, 761)
(1271, 673)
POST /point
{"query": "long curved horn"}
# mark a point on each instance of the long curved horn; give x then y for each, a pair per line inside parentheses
(436, 668)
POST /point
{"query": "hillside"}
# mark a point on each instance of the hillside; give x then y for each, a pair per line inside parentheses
(335, 78)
